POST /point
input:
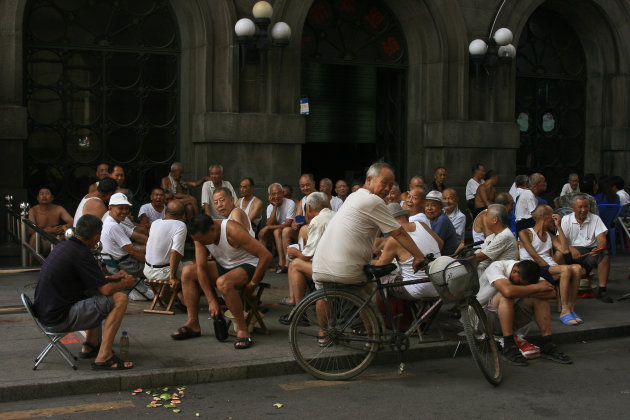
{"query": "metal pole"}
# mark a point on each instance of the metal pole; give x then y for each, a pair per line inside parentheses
(23, 229)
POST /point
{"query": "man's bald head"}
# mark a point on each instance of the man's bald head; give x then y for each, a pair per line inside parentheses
(505, 199)
(541, 211)
(175, 210)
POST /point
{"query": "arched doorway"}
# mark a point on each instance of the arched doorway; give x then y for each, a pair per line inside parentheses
(550, 99)
(354, 74)
(101, 85)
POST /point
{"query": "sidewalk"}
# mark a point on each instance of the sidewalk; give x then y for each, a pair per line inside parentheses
(161, 361)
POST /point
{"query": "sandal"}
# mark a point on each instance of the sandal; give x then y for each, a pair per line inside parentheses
(323, 341)
(282, 269)
(184, 333)
(242, 343)
(577, 318)
(107, 365)
(285, 301)
(93, 350)
(553, 353)
(566, 320)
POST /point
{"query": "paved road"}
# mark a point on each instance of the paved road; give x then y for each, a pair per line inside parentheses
(597, 385)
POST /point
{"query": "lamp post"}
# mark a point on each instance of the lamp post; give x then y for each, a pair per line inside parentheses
(254, 36)
(490, 53)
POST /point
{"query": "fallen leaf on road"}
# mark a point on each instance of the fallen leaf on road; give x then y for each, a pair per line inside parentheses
(278, 405)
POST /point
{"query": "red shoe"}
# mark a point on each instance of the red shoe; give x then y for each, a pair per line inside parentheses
(529, 350)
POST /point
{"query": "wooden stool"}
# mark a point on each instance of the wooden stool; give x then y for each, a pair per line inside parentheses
(158, 287)
(250, 306)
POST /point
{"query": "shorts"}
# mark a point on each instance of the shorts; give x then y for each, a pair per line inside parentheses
(545, 274)
(523, 315)
(249, 269)
(591, 261)
(362, 286)
(163, 273)
(85, 314)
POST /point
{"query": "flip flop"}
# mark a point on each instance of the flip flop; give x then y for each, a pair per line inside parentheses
(107, 365)
(184, 333)
(577, 318)
(568, 317)
(247, 343)
(93, 351)
(282, 269)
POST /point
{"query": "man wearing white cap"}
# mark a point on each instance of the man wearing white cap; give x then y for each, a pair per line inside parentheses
(116, 240)
(440, 223)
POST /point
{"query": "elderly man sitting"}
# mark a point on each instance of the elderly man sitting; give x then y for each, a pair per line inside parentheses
(207, 190)
(440, 222)
(326, 187)
(51, 218)
(537, 244)
(239, 263)
(175, 183)
(479, 229)
(165, 247)
(73, 295)
(427, 241)
(500, 244)
(290, 234)
(586, 234)
(527, 201)
(512, 295)
(120, 252)
(573, 186)
(280, 214)
(154, 210)
(224, 204)
(415, 204)
(451, 209)
(250, 204)
(301, 268)
(416, 181)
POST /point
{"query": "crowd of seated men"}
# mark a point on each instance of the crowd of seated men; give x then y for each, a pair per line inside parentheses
(239, 237)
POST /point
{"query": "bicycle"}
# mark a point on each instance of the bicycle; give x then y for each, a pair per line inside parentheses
(335, 332)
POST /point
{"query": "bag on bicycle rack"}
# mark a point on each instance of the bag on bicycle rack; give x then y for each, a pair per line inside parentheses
(453, 279)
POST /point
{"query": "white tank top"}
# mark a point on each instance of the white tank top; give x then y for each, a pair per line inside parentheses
(477, 236)
(428, 245)
(226, 255)
(79, 211)
(246, 209)
(250, 230)
(542, 248)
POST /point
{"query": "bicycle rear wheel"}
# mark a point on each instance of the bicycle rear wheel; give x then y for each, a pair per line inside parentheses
(330, 338)
(481, 341)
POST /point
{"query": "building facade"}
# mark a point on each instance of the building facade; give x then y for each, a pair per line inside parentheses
(145, 82)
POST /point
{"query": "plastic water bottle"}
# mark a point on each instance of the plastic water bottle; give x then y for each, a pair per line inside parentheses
(124, 346)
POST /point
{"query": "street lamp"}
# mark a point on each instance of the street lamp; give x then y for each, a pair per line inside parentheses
(255, 37)
(492, 52)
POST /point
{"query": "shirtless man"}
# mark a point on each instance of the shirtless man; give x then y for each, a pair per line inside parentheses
(102, 172)
(174, 182)
(486, 192)
(224, 203)
(415, 182)
(479, 229)
(341, 189)
(53, 219)
(96, 203)
(250, 204)
(154, 210)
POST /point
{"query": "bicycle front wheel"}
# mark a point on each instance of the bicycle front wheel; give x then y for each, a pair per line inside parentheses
(481, 341)
(330, 338)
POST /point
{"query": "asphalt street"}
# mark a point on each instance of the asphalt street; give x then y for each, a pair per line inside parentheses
(595, 386)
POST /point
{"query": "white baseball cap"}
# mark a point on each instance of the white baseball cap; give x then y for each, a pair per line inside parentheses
(119, 199)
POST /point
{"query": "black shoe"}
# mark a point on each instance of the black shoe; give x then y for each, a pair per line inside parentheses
(513, 356)
(553, 353)
(603, 296)
(284, 320)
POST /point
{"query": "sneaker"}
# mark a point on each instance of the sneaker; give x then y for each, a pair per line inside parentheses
(134, 295)
(529, 350)
(603, 296)
(553, 353)
(513, 356)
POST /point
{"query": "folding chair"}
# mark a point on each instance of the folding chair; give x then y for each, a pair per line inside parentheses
(53, 338)
(158, 287)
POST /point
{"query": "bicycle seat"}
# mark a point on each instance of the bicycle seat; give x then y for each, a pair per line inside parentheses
(378, 270)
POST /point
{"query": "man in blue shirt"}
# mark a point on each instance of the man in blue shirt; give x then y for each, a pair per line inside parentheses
(440, 223)
(72, 294)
